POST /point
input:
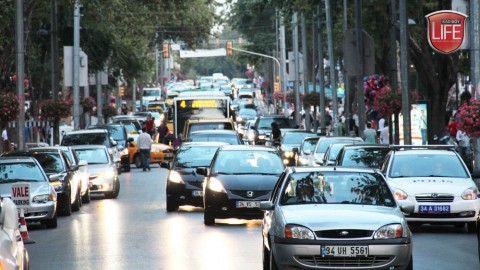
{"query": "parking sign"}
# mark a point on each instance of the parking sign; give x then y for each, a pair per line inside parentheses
(21, 194)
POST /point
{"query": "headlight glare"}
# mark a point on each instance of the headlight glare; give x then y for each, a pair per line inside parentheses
(470, 194)
(288, 154)
(215, 185)
(261, 137)
(298, 232)
(390, 231)
(175, 177)
(399, 194)
(57, 185)
(303, 161)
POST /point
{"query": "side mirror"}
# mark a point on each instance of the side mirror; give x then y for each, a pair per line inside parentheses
(54, 177)
(266, 206)
(202, 171)
(82, 163)
(165, 165)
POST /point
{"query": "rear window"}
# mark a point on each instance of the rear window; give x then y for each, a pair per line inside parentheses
(266, 123)
(86, 138)
(93, 156)
(209, 126)
(231, 139)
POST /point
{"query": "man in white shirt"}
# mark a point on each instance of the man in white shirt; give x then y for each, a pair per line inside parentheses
(463, 142)
(384, 134)
(144, 144)
(6, 142)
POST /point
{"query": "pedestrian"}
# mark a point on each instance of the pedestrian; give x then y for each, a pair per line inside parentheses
(422, 124)
(463, 142)
(144, 144)
(6, 142)
(276, 134)
(384, 134)
(150, 125)
(162, 132)
(370, 134)
(341, 127)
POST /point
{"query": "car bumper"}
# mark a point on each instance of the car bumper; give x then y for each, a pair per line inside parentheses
(223, 207)
(157, 157)
(39, 212)
(125, 160)
(186, 194)
(308, 256)
(460, 211)
(101, 185)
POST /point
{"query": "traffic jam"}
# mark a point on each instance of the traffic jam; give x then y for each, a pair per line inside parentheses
(241, 163)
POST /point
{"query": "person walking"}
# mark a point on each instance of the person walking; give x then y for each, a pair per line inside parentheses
(384, 134)
(6, 142)
(370, 134)
(162, 132)
(144, 144)
(422, 124)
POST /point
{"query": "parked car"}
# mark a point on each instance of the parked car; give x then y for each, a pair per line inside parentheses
(237, 180)
(335, 218)
(290, 144)
(305, 150)
(43, 198)
(103, 174)
(184, 185)
(120, 135)
(324, 142)
(13, 254)
(362, 155)
(158, 153)
(226, 136)
(55, 163)
(436, 180)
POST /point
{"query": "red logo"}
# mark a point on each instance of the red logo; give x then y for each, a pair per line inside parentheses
(446, 30)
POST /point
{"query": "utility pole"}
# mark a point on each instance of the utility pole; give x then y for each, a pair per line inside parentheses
(393, 67)
(331, 58)
(98, 77)
(321, 71)
(283, 66)
(134, 95)
(76, 64)
(305, 70)
(407, 136)
(297, 67)
(346, 103)
(475, 67)
(314, 69)
(54, 51)
(20, 51)
(359, 91)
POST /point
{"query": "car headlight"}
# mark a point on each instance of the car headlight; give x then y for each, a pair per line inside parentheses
(125, 152)
(57, 185)
(288, 154)
(390, 231)
(109, 173)
(470, 194)
(175, 177)
(261, 137)
(303, 161)
(298, 232)
(239, 119)
(399, 194)
(215, 185)
(43, 198)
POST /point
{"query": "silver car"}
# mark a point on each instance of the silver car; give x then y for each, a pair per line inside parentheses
(103, 172)
(42, 203)
(334, 218)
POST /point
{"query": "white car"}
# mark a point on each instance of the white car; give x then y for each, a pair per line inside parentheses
(13, 254)
(103, 173)
(322, 144)
(436, 180)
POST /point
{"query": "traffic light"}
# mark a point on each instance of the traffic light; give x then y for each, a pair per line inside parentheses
(229, 48)
(121, 91)
(166, 50)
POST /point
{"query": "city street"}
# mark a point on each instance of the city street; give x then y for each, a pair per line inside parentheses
(135, 232)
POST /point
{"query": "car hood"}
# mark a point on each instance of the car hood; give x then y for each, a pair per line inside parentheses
(190, 175)
(427, 185)
(248, 181)
(36, 188)
(95, 169)
(289, 147)
(336, 216)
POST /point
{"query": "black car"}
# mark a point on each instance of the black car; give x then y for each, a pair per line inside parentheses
(226, 136)
(184, 185)
(238, 179)
(362, 155)
(55, 163)
(290, 144)
(119, 134)
(263, 127)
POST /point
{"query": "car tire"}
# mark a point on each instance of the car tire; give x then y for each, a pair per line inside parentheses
(410, 264)
(50, 223)
(116, 190)
(68, 210)
(266, 258)
(26, 260)
(171, 205)
(471, 227)
(138, 161)
(126, 168)
(208, 218)
(77, 203)
(86, 197)
(273, 264)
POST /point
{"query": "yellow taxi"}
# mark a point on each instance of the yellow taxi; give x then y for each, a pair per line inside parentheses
(160, 153)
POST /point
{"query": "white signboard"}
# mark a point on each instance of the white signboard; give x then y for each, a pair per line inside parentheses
(203, 53)
(21, 194)
(68, 67)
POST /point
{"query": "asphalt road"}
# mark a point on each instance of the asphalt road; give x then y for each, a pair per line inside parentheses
(135, 232)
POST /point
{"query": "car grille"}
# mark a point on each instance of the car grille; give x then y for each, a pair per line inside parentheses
(256, 193)
(343, 234)
(435, 198)
(345, 262)
(196, 184)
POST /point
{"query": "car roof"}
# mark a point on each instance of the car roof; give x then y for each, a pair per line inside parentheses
(56, 147)
(204, 144)
(88, 146)
(339, 138)
(86, 131)
(366, 145)
(215, 131)
(331, 169)
(299, 131)
(248, 148)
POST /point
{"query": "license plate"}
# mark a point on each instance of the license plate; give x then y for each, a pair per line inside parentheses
(437, 209)
(345, 251)
(248, 204)
(197, 193)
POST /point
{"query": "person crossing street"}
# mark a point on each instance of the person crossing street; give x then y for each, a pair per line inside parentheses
(144, 144)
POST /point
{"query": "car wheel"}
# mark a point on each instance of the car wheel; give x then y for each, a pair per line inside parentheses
(51, 223)
(208, 218)
(78, 202)
(68, 209)
(138, 161)
(126, 168)
(266, 258)
(273, 264)
(471, 227)
(86, 197)
(410, 263)
(116, 190)
(171, 205)
(26, 260)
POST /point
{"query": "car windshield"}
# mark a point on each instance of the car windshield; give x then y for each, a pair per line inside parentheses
(336, 188)
(427, 165)
(51, 162)
(367, 157)
(93, 155)
(85, 138)
(231, 139)
(194, 156)
(248, 162)
(266, 123)
(249, 112)
(294, 137)
(210, 126)
(22, 171)
(324, 143)
(309, 145)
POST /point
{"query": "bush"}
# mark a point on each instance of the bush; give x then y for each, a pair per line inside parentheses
(9, 107)
(55, 110)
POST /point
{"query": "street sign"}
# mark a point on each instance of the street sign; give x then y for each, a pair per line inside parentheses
(21, 194)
